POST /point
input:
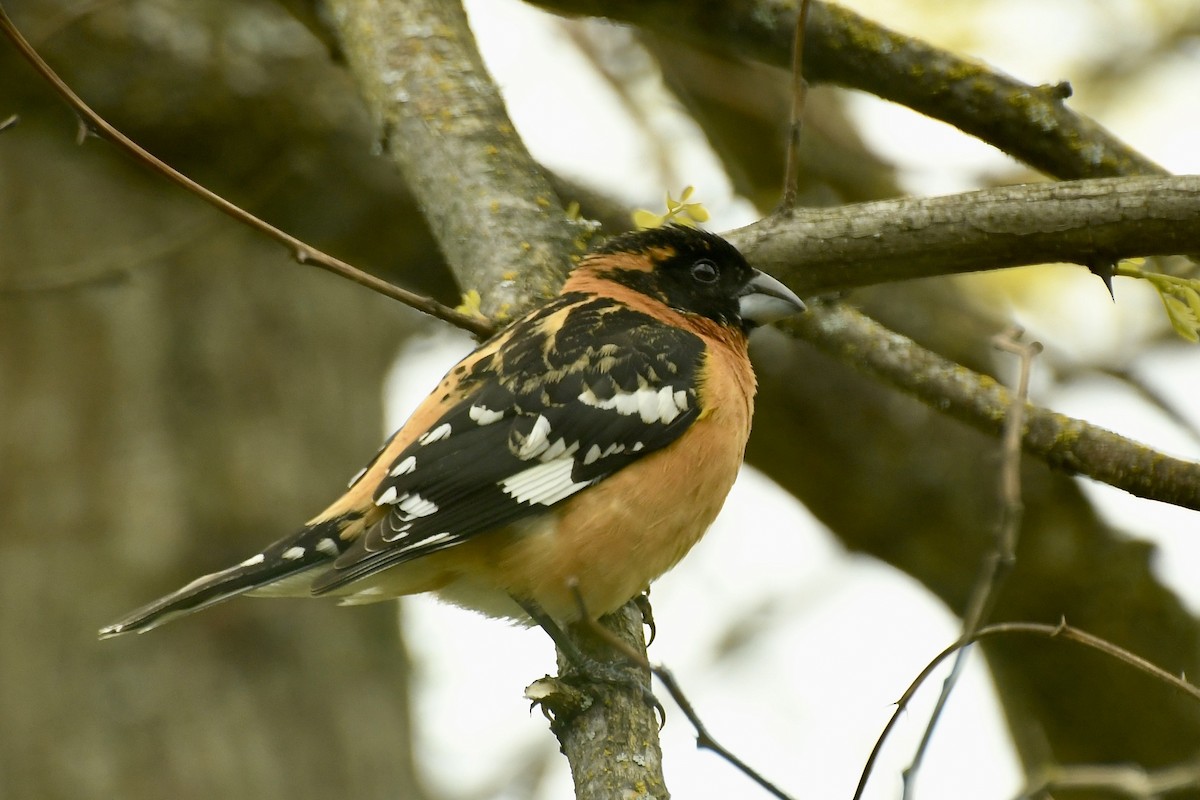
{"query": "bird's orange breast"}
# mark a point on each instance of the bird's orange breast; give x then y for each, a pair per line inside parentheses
(616, 537)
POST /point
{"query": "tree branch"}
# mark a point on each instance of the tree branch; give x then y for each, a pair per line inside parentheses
(92, 123)
(1030, 123)
(999, 562)
(495, 216)
(1071, 445)
(603, 729)
(505, 234)
(1006, 629)
(1084, 222)
(998, 227)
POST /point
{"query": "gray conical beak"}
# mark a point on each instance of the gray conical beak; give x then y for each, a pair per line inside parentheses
(764, 299)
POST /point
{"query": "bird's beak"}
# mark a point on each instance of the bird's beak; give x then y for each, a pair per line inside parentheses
(764, 299)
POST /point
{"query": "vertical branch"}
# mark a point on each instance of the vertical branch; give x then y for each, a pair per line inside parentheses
(1061, 631)
(505, 234)
(799, 97)
(608, 733)
(999, 562)
(498, 222)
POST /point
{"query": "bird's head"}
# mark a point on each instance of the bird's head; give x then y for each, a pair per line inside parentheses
(695, 273)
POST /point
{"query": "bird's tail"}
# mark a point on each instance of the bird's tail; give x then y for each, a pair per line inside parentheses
(287, 567)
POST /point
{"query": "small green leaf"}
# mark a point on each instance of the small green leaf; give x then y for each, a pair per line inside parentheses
(1185, 323)
(1193, 299)
(643, 219)
(679, 211)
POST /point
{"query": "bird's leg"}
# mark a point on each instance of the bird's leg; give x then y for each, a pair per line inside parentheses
(589, 669)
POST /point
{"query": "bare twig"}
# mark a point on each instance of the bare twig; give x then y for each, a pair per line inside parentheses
(799, 95)
(1010, 477)
(704, 739)
(1063, 442)
(91, 123)
(1039, 630)
(832, 249)
(999, 562)
(12, 119)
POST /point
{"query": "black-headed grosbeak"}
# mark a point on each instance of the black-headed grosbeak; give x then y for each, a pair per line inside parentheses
(577, 454)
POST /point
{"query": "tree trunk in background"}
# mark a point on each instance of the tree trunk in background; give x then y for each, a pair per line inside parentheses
(174, 394)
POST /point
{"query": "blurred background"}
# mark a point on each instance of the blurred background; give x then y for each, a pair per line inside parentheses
(175, 392)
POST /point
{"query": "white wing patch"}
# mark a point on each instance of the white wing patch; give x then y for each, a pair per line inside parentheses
(594, 452)
(328, 547)
(404, 467)
(558, 450)
(484, 415)
(408, 505)
(435, 435)
(412, 506)
(544, 484)
(537, 441)
(652, 405)
(292, 553)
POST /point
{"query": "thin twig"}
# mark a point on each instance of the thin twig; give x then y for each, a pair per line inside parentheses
(1060, 631)
(999, 562)
(91, 123)
(704, 739)
(12, 119)
(791, 167)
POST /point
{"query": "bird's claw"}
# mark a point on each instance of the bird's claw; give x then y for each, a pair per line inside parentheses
(611, 673)
(642, 601)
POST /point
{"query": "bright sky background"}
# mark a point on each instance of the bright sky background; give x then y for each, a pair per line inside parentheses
(841, 636)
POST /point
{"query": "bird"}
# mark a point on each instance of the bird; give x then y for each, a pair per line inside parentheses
(558, 469)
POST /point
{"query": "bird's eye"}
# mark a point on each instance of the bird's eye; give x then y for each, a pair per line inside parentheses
(705, 271)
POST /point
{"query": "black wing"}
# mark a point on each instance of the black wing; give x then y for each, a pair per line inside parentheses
(579, 390)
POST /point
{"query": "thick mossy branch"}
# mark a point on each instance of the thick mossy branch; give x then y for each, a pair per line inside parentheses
(1083, 222)
(1063, 442)
(1030, 123)
(501, 227)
